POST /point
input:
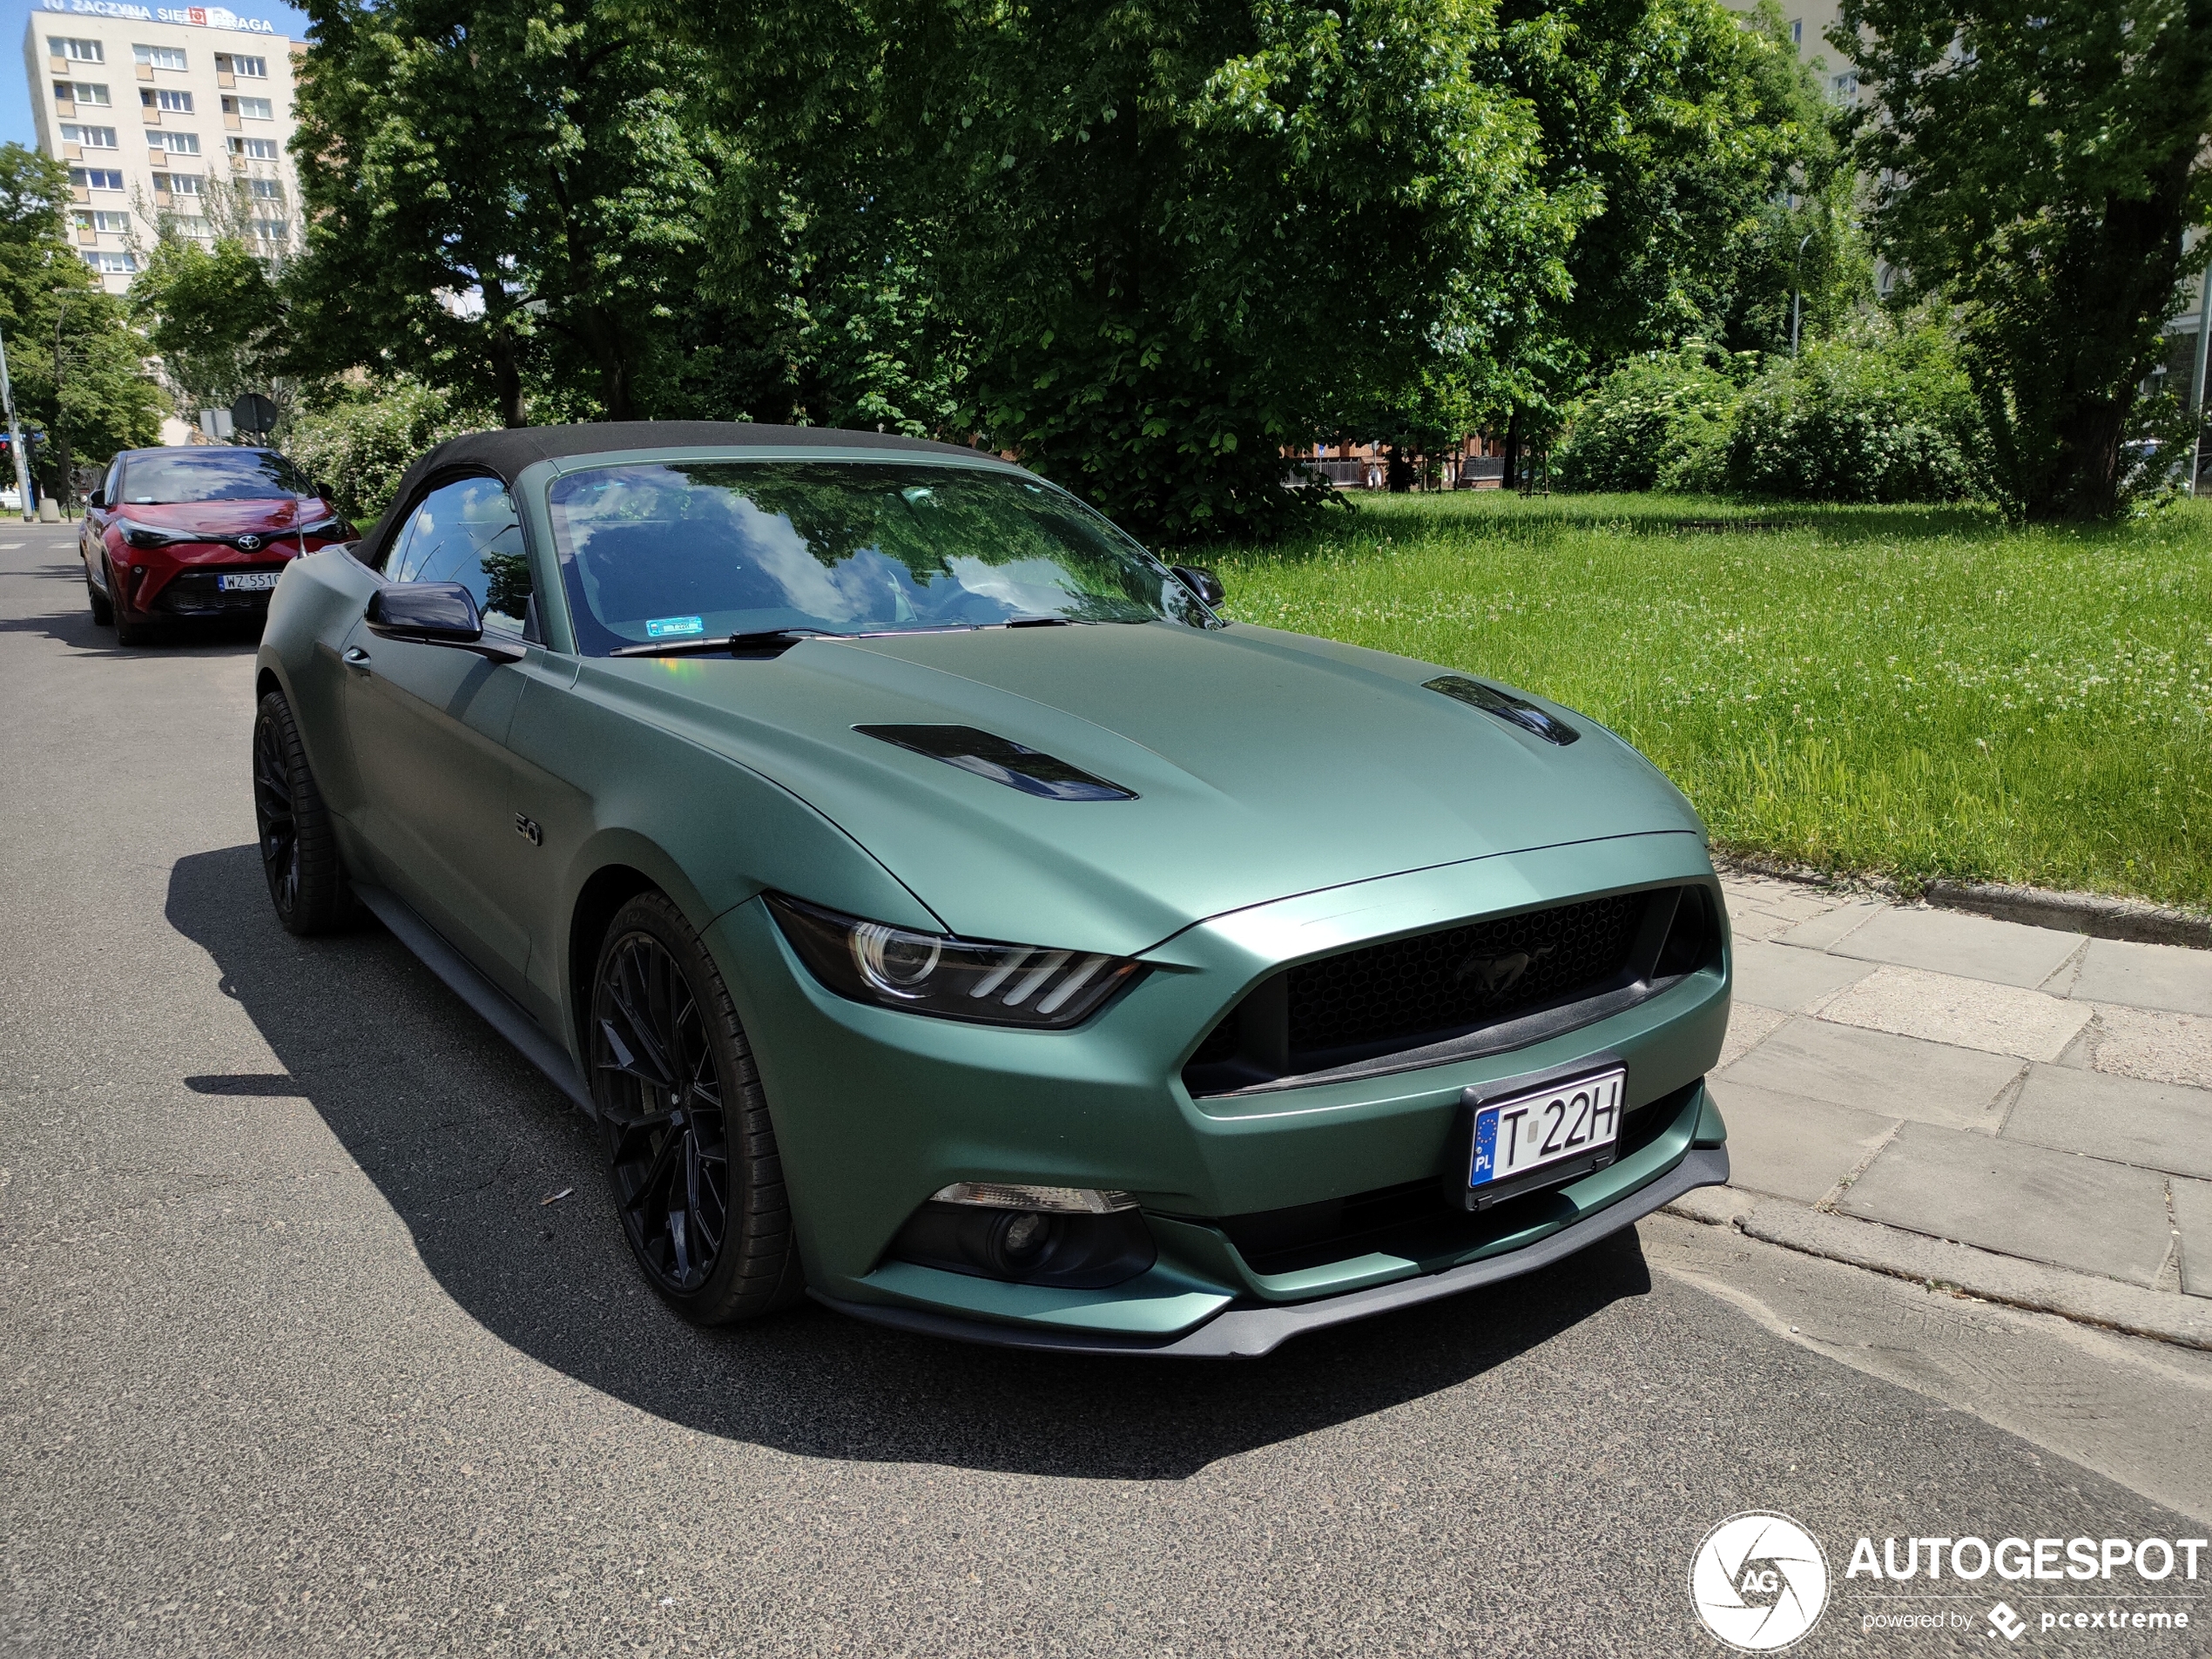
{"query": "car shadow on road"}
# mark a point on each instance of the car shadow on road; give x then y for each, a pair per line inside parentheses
(467, 1144)
(73, 625)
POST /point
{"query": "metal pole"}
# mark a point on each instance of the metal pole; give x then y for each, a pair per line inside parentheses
(2197, 380)
(15, 436)
(1797, 293)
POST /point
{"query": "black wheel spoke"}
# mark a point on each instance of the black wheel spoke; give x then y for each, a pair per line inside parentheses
(660, 1098)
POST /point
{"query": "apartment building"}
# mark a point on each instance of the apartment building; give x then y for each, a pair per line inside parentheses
(176, 117)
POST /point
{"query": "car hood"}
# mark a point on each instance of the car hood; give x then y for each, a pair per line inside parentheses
(222, 517)
(1263, 765)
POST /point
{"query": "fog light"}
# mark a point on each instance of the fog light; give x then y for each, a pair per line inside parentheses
(1007, 1195)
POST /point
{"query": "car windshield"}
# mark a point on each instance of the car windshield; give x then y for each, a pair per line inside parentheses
(658, 552)
(209, 473)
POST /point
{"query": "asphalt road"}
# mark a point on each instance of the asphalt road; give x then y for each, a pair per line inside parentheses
(296, 1358)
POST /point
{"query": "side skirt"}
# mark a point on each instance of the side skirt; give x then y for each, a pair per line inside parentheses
(499, 1010)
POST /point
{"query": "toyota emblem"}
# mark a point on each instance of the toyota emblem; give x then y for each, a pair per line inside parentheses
(248, 543)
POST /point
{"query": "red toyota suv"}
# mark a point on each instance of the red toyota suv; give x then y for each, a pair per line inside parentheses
(201, 531)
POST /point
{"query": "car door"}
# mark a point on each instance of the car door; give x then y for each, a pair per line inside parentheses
(428, 726)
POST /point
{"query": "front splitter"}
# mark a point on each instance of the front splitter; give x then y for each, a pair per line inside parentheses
(1250, 1330)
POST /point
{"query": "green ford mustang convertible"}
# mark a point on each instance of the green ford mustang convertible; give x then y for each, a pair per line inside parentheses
(942, 911)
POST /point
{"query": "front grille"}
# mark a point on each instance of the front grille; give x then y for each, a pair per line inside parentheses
(1471, 975)
(1481, 986)
(193, 593)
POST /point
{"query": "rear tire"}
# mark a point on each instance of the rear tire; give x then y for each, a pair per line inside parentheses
(691, 1153)
(299, 849)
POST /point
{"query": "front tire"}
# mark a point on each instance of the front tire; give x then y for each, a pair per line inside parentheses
(691, 1153)
(103, 612)
(130, 629)
(299, 848)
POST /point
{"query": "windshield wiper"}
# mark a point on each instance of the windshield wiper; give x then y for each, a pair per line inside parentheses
(761, 639)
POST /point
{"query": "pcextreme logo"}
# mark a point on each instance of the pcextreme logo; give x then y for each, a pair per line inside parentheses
(1759, 1582)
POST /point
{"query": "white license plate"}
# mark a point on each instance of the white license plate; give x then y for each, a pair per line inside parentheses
(248, 582)
(1576, 1119)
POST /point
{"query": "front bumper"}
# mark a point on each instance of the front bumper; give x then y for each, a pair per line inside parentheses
(875, 1109)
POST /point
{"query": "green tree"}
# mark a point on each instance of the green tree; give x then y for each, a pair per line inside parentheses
(213, 314)
(497, 193)
(2040, 166)
(76, 367)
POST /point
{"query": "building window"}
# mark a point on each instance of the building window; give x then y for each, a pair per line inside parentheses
(178, 184)
(78, 51)
(91, 137)
(112, 264)
(179, 102)
(159, 57)
(183, 144)
(85, 92)
(1796, 31)
(95, 178)
(270, 230)
(1846, 85)
(266, 189)
(253, 69)
(91, 218)
(253, 109)
(256, 149)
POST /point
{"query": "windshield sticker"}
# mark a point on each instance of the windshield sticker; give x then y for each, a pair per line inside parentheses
(674, 627)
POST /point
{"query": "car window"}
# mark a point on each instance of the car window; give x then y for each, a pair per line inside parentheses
(112, 483)
(210, 472)
(467, 532)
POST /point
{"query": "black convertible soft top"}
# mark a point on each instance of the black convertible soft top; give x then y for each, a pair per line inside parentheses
(509, 451)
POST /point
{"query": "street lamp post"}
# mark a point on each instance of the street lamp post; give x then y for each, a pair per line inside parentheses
(15, 436)
(1797, 294)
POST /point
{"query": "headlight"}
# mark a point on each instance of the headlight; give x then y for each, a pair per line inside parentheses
(137, 535)
(953, 979)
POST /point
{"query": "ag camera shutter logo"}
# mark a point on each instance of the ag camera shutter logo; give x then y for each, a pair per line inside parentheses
(1759, 1582)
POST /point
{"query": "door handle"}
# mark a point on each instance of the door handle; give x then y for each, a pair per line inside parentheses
(355, 656)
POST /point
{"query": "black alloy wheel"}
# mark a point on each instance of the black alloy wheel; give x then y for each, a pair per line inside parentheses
(691, 1153)
(103, 612)
(299, 851)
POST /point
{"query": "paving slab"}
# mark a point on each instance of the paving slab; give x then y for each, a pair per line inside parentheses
(1965, 1013)
(1822, 931)
(2148, 1042)
(2122, 1120)
(1946, 941)
(1873, 1071)
(1792, 1147)
(2193, 1219)
(2023, 1200)
(2145, 976)
(1788, 978)
(1747, 1025)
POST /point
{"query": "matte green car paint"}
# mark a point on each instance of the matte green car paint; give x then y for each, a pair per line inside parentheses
(1296, 797)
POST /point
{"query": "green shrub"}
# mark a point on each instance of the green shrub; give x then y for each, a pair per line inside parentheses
(1657, 422)
(1882, 415)
(357, 447)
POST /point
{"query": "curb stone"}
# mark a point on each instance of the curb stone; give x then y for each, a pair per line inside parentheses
(2185, 1321)
(2096, 914)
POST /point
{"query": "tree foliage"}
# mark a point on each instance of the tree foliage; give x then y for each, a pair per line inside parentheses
(76, 369)
(214, 315)
(2040, 166)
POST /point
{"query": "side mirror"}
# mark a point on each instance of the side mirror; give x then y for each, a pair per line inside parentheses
(435, 613)
(96, 499)
(1203, 583)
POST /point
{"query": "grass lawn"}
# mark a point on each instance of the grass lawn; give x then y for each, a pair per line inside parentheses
(1916, 691)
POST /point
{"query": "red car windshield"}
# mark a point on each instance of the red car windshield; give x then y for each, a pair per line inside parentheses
(211, 474)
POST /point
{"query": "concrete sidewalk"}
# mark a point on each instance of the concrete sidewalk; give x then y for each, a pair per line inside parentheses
(1895, 1075)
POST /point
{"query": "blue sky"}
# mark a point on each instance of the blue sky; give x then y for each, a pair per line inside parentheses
(15, 94)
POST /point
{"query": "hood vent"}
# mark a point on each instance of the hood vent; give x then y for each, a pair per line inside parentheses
(1000, 760)
(1516, 711)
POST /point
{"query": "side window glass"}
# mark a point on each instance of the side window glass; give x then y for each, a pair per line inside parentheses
(112, 487)
(467, 532)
